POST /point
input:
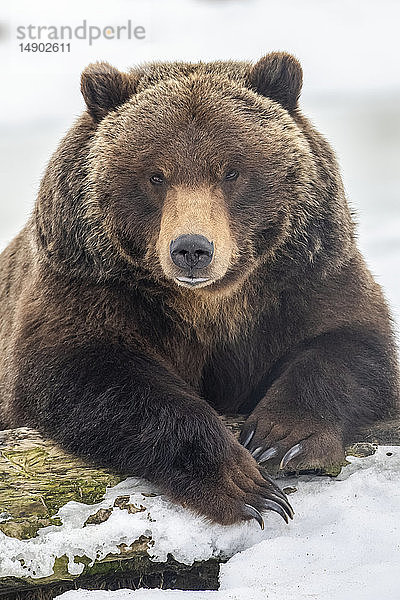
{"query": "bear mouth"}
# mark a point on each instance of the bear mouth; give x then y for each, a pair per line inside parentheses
(193, 281)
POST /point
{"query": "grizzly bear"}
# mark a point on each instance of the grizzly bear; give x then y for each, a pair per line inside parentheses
(191, 253)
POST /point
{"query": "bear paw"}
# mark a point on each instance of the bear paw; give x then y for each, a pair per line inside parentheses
(291, 444)
(240, 492)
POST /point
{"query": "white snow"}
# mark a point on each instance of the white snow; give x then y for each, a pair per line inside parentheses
(344, 542)
(236, 594)
(343, 545)
(172, 528)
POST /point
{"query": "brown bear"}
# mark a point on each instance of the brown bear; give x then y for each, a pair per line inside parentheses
(191, 253)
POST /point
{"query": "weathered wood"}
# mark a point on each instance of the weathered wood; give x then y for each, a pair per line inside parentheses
(37, 478)
(116, 573)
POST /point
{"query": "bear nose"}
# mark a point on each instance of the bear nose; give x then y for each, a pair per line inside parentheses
(191, 251)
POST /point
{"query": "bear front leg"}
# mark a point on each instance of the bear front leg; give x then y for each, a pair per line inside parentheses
(324, 393)
(129, 412)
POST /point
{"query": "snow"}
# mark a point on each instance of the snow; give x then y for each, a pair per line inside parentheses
(236, 594)
(344, 542)
(172, 528)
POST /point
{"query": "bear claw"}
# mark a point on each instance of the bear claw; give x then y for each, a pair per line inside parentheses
(250, 511)
(277, 491)
(277, 502)
(277, 507)
(248, 438)
(278, 499)
(291, 453)
(256, 452)
(267, 454)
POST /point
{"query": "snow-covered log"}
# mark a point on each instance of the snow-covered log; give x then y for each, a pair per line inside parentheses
(63, 520)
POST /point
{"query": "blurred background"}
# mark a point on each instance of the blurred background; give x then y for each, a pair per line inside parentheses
(350, 52)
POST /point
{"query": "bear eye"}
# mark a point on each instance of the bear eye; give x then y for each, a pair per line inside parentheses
(232, 175)
(157, 179)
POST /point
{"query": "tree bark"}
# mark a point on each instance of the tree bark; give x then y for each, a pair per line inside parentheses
(37, 478)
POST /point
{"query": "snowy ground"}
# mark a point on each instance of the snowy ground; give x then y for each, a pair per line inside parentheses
(343, 544)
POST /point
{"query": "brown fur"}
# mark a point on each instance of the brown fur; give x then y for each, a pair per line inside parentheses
(104, 350)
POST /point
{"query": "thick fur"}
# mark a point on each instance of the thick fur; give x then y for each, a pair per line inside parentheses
(104, 351)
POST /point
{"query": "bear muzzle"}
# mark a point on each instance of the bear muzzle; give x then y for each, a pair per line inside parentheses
(192, 254)
(195, 246)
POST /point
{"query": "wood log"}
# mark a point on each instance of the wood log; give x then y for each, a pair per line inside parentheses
(37, 478)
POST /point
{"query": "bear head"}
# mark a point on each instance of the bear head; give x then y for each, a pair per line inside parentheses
(195, 174)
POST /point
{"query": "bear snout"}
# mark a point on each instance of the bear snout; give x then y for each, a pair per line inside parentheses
(191, 251)
(195, 244)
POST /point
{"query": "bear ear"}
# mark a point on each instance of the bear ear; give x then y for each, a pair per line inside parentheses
(104, 88)
(278, 76)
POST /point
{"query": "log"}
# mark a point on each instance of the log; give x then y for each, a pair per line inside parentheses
(37, 478)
